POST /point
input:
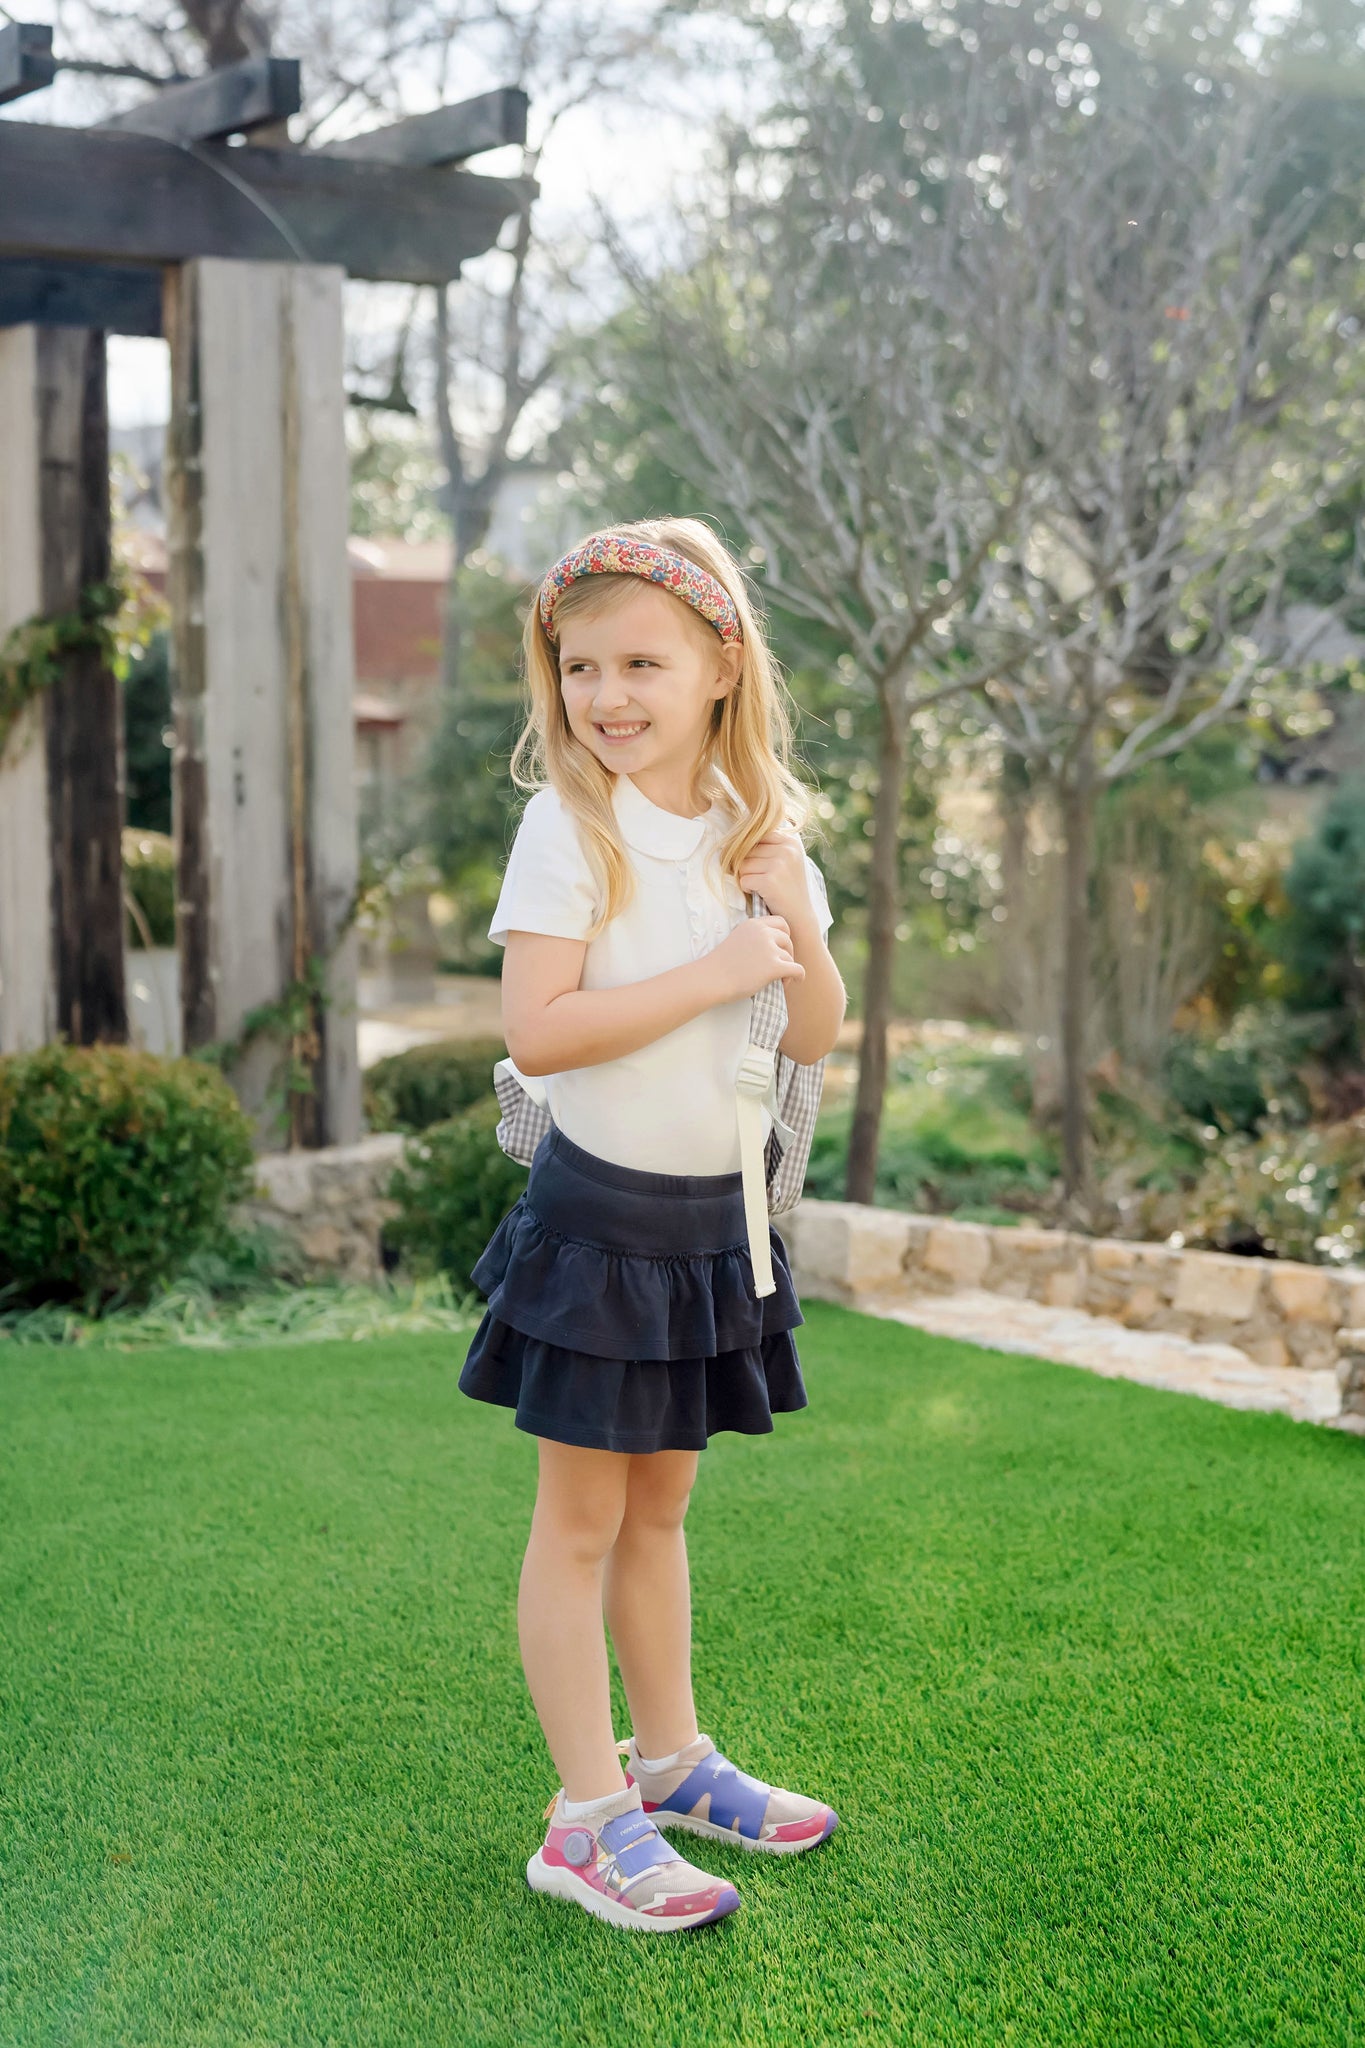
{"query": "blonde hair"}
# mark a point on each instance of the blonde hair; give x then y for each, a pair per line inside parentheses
(749, 741)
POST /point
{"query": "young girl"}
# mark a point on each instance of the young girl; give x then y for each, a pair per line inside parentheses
(623, 1325)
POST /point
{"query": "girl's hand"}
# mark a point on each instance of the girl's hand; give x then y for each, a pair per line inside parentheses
(757, 951)
(775, 869)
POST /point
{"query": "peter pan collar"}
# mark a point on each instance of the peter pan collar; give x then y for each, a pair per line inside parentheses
(650, 829)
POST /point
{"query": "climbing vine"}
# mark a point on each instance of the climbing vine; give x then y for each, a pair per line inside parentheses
(292, 1016)
(34, 652)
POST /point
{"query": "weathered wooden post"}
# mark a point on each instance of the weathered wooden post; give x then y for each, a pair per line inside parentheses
(28, 1015)
(61, 777)
(264, 677)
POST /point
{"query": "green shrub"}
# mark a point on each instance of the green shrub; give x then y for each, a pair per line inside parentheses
(429, 1084)
(827, 1166)
(453, 1190)
(1322, 937)
(115, 1166)
(1286, 1194)
(1250, 1074)
(149, 878)
(955, 1132)
(922, 1165)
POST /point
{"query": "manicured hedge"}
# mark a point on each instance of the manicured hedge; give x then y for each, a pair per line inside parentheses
(455, 1188)
(411, 1091)
(115, 1166)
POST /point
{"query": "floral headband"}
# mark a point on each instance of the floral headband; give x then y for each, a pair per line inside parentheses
(615, 554)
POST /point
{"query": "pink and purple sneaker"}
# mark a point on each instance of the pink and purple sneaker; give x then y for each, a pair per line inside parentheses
(705, 1794)
(623, 1871)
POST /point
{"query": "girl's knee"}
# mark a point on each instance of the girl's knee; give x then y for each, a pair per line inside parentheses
(659, 1489)
(581, 1499)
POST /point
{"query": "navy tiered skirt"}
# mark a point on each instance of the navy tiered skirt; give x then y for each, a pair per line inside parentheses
(621, 1312)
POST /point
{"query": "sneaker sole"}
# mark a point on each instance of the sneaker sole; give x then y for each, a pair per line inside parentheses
(562, 1884)
(665, 1821)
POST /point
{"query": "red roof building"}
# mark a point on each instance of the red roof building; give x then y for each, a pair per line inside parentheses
(397, 599)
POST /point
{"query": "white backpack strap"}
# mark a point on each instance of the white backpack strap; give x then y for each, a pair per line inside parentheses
(756, 1085)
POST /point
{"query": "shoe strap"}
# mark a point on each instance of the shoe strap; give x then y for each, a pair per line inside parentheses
(631, 1840)
(737, 1800)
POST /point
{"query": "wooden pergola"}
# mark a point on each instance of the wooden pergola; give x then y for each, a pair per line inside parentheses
(157, 223)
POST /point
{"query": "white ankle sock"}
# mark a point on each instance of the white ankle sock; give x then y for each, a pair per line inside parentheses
(664, 1763)
(591, 1809)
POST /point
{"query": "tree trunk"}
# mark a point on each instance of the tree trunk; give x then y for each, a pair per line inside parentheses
(1014, 794)
(1078, 823)
(882, 907)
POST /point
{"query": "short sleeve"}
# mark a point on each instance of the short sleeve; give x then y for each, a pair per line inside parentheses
(548, 885)
(819, 896)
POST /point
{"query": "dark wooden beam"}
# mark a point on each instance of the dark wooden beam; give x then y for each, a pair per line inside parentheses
(83, 708)
(26, 60)
(231, 101)
(94, 195)
(446, 136)
(184, 490)
(121, 299)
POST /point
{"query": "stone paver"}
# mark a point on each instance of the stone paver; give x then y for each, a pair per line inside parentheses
(1217, 1372)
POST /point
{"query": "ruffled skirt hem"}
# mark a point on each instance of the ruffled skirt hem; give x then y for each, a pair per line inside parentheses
(632, 1405)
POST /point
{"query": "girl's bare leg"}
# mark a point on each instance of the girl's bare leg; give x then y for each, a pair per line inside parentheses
(647, 1599)
(580, 1504)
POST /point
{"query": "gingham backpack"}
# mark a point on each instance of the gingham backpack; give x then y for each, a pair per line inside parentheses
(767, 1080)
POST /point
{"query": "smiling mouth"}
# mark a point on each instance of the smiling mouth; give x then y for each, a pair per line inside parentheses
(629, 732)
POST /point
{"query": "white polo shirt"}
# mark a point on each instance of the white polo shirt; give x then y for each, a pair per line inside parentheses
(668, 1107)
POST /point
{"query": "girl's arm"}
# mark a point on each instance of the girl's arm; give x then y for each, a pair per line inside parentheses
(551, 1025)
(816, 1003)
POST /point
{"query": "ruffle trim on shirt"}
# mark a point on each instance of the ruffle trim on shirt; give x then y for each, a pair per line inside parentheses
(631, 1306)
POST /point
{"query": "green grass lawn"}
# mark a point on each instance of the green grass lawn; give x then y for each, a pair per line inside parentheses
(1079, 1663)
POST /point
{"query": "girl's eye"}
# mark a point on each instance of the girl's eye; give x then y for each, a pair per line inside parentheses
(574, 668)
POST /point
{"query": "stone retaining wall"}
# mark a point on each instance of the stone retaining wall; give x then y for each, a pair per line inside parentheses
(1277, 1311)
(329, 1202)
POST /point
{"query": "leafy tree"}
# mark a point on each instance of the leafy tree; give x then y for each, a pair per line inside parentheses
(395, 478)
(1020, 393)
